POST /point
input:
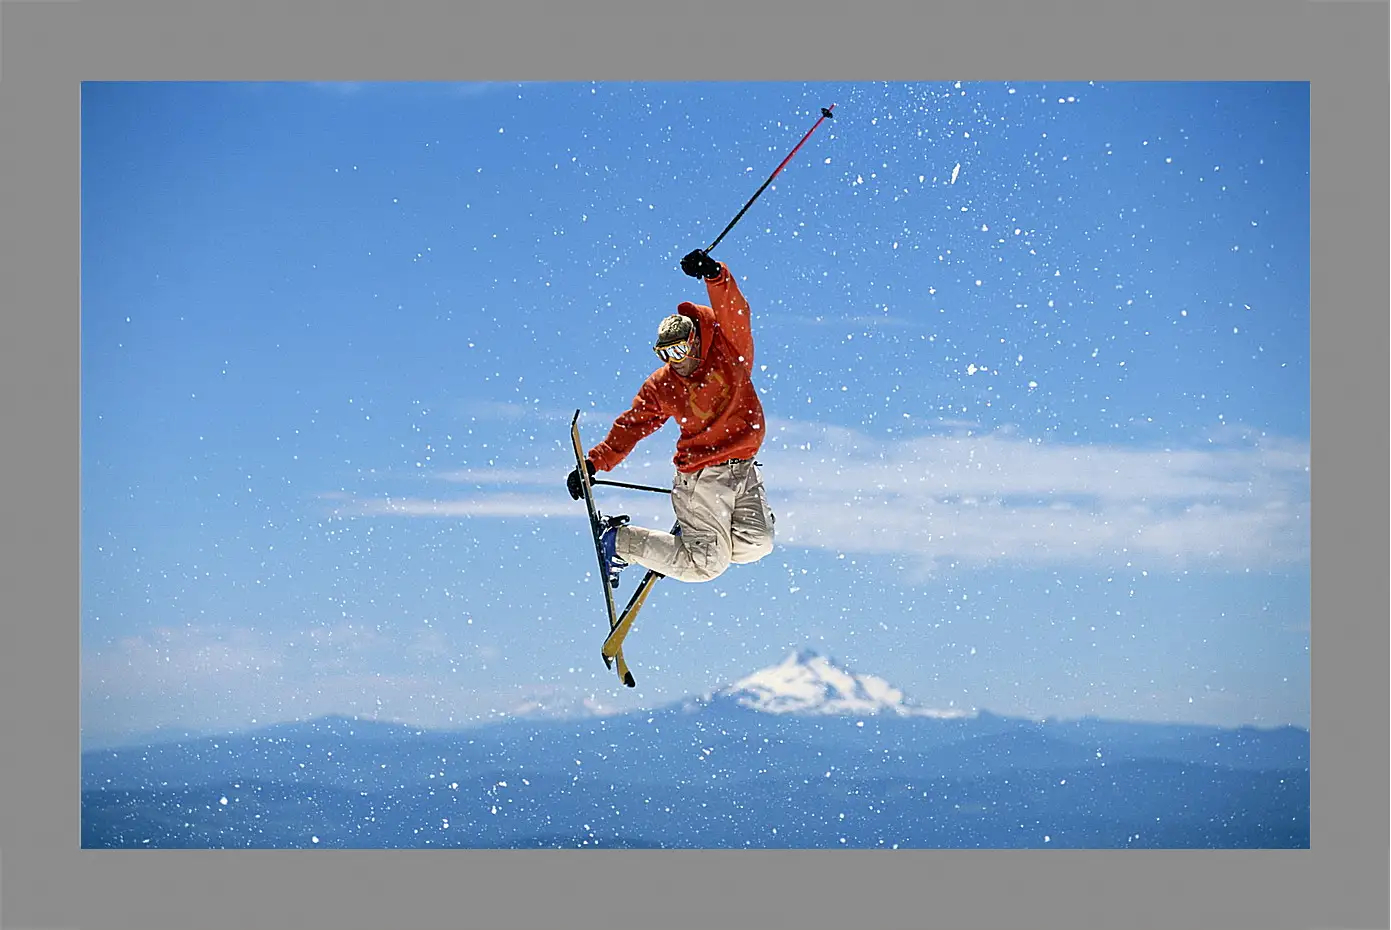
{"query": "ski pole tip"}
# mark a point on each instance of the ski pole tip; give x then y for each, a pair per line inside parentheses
(826, 111)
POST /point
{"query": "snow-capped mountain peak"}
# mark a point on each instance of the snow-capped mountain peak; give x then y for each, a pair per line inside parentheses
(810, 684)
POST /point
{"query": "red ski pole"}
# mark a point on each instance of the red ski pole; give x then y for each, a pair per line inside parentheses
(825, 115)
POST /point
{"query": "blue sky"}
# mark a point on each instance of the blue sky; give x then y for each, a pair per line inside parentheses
(1034, 358)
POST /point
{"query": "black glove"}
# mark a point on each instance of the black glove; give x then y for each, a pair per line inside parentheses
(698, 264)
(572, 483)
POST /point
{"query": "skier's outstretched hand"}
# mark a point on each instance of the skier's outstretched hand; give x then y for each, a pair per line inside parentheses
(572, 482)
(698, 264)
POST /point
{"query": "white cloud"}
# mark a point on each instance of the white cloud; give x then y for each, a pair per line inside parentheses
(491, 505)
(199, 679)
(1000, 497)
(1238, 499)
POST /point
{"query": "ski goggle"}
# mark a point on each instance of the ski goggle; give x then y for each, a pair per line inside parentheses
(677, 351)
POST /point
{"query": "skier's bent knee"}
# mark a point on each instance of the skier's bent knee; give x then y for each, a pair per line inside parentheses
(752, 552)
(709, 566)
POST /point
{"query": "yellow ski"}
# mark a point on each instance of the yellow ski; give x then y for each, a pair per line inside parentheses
(613, 645)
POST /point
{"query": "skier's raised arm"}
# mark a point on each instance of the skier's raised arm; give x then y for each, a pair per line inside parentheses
(731, 309)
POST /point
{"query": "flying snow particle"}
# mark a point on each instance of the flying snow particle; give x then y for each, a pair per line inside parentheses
(955, 171)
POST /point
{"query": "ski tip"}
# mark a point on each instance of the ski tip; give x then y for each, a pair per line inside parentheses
(629, 680)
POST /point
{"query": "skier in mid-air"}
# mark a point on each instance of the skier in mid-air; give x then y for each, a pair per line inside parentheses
(705, 384)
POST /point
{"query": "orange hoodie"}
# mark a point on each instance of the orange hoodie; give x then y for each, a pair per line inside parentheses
(718, 409)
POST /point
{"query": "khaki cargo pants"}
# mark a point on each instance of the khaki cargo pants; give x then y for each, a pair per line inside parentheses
(724, 518)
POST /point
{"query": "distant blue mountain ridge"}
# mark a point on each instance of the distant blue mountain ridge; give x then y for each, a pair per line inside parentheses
(801, 754)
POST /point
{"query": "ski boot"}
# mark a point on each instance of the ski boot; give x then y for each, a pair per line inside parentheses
(608, 538)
